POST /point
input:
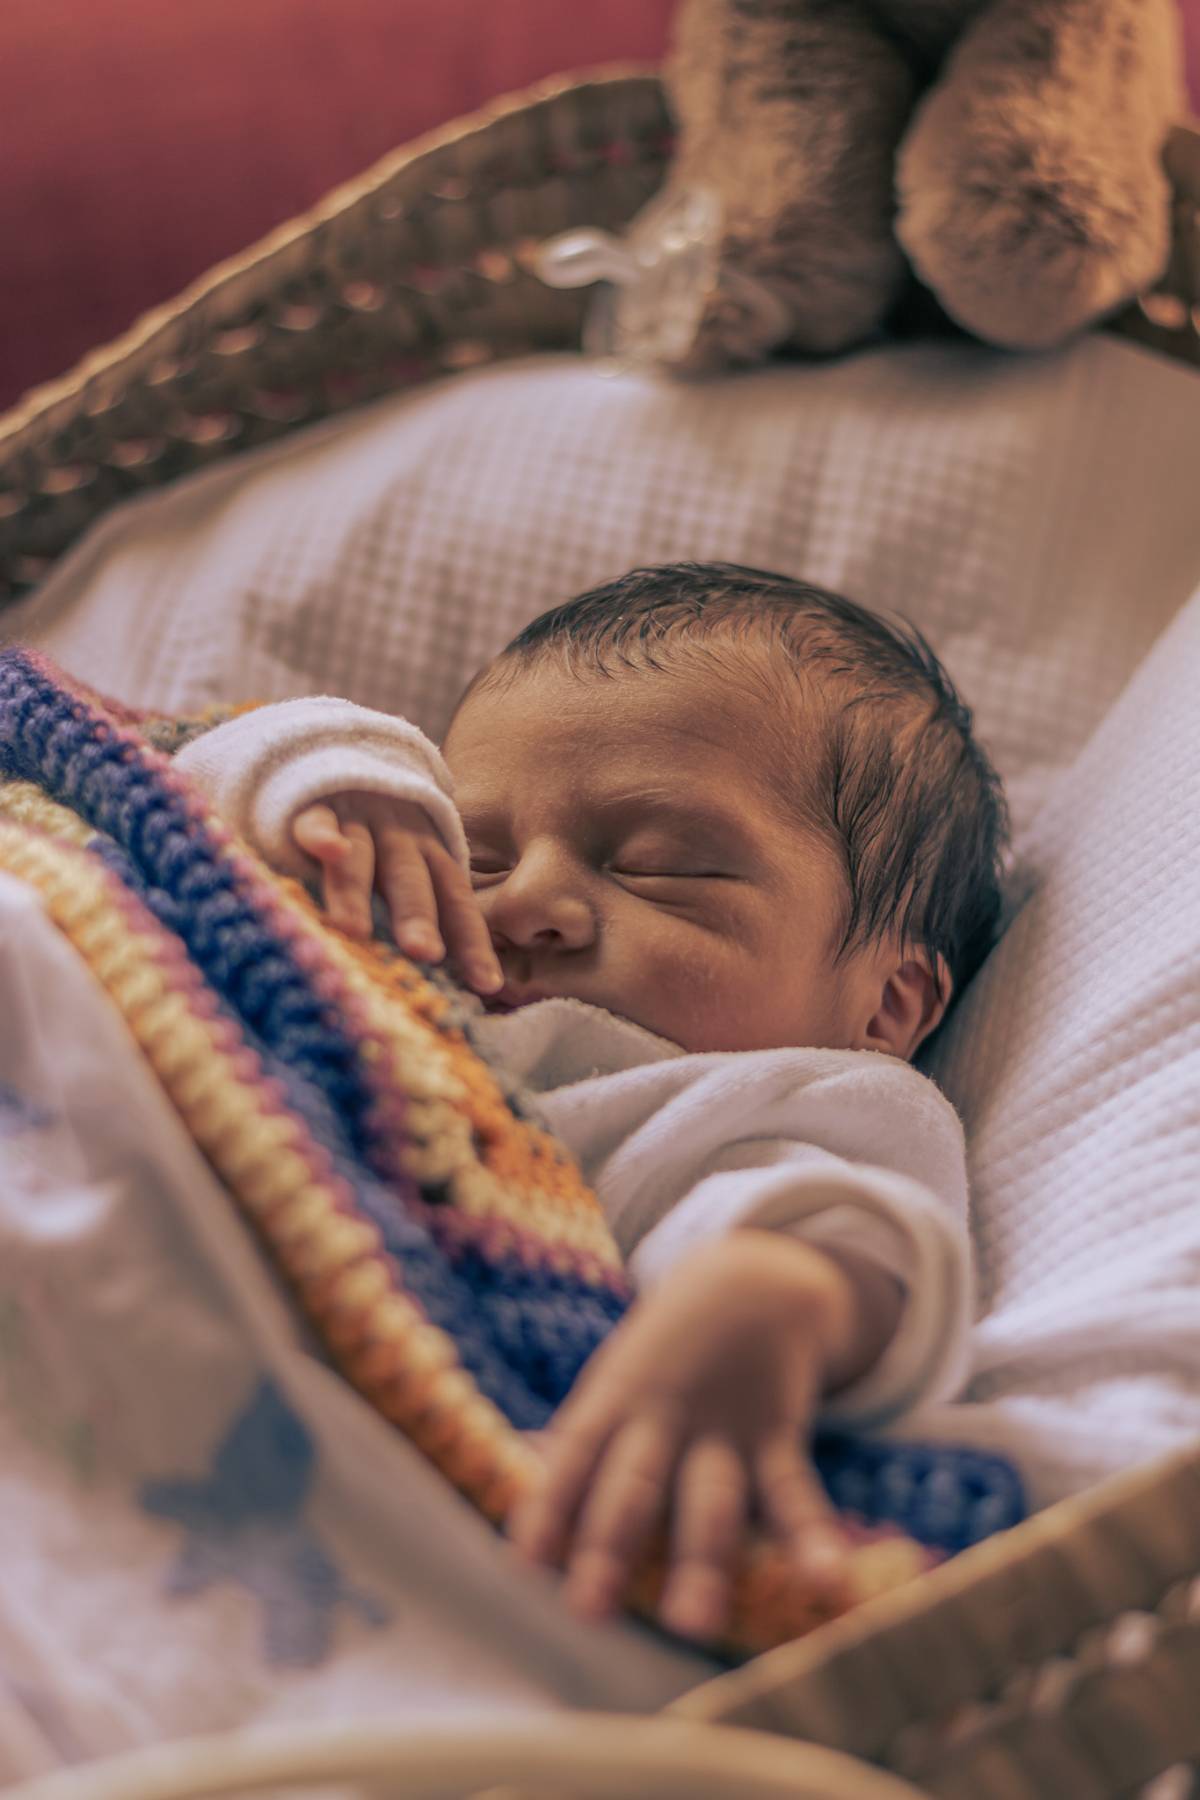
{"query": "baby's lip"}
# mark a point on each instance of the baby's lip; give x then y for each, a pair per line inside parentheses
(510, 998)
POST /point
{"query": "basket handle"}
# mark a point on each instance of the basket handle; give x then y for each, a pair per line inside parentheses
(597, 1755)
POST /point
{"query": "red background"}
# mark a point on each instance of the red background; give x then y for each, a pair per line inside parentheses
(141, 140)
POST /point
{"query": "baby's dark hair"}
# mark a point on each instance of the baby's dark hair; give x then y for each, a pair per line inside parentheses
(895, 781)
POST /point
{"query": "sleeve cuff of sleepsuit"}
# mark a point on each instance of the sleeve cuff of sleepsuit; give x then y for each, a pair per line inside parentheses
(894, 1221)
(264, 767)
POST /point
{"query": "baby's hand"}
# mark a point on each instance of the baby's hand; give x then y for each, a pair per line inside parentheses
(695, 1414)
(369, 841)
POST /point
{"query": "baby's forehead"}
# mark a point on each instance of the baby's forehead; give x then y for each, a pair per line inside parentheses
(740, 696)
(718, 669)
(737, 690)
(633, 740)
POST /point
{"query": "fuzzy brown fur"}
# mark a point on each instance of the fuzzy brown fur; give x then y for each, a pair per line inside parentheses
(1010, 150)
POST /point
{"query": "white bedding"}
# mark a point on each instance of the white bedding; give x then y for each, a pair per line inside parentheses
(1038, 518)
(1075, 1063)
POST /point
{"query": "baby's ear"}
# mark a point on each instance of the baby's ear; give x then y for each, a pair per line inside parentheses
(912, 1000)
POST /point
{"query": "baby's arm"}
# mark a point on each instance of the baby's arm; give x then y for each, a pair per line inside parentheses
(696, 1412)
(912, 1231)
(369, 800)
(787, 1283)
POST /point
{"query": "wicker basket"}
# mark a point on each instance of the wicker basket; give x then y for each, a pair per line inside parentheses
(1060, 1661)
(420, 267)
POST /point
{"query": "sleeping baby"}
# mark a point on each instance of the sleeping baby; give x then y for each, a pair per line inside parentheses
(714, 848)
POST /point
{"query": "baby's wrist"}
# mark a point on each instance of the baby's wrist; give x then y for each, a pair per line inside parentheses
(853, 1305)
(872, 1302)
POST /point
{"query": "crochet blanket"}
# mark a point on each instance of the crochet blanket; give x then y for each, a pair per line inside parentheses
(439, 1242)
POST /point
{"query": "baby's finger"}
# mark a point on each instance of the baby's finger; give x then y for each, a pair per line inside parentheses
(408, 889)
(462, 922)
(348, 882)
(318, 832)
(708, 1523)
(798, 1509)
(626, 1500)
(539, 1523)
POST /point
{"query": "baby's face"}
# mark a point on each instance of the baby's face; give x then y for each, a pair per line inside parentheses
(628, 851)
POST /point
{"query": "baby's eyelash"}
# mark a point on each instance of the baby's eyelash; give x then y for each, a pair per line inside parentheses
(667, 874)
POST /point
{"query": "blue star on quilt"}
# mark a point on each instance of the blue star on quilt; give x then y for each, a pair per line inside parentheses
(245, 1524)
(18, 1113)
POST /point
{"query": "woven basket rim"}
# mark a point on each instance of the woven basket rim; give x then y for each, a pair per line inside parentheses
(43, 398)
(1065, 1521)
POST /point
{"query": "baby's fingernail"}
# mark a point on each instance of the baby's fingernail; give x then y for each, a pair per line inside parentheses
(326, 846)
(486, 978)
(689, 1616)
(532, 1546)
(420, 940)
(519, 1535)
(347, 917)
(823, 1559)
(589, 1599)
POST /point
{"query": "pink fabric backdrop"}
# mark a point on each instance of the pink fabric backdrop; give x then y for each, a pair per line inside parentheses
(141, 140)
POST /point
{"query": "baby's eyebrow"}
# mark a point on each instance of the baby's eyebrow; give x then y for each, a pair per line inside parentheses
(704, 818)
(663, 805)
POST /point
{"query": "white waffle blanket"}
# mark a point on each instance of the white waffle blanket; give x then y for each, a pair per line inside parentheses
(1075, 1063)
(1038, 518)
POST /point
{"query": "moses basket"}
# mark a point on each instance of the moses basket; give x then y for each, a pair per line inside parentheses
(1060, 1660)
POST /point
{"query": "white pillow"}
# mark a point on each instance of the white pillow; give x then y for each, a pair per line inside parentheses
(1036, 516)
(1075, 1061)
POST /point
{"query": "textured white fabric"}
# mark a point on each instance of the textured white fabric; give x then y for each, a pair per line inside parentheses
(1036, 517)
(164, 1575)
(1075, 1060)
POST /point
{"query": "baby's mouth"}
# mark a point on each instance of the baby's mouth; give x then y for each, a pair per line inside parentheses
(511, 999)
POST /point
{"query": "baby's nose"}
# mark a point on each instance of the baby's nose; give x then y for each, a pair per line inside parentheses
(542, 903)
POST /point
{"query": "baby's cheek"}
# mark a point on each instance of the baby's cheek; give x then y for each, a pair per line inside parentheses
(704, 991)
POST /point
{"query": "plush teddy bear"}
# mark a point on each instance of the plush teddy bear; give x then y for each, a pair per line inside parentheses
(1008, 151)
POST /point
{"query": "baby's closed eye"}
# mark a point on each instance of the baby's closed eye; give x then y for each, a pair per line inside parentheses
(658, 860)
(644, 870)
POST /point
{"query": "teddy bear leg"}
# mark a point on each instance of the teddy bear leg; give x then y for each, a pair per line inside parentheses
(1032, 195)
(789, 113)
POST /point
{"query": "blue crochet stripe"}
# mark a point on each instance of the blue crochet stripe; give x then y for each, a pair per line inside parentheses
(943, 1495)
